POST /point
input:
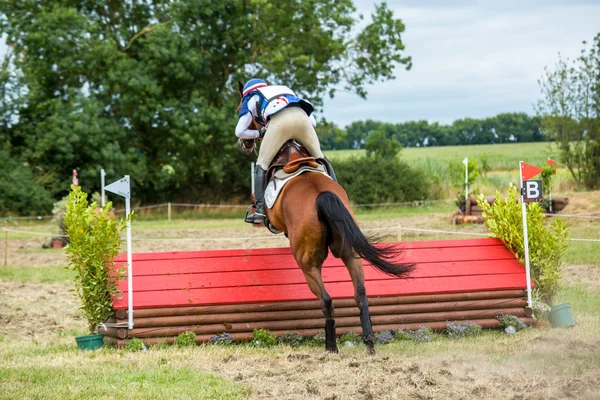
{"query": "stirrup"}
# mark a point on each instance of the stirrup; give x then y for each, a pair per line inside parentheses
(249, 218)
(271, 227)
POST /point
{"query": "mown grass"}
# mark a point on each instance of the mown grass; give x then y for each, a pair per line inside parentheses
(65, 373)
(33, 274)
(29, 370)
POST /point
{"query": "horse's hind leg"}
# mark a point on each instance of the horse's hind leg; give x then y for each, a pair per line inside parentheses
(315, 283)
(360, 296)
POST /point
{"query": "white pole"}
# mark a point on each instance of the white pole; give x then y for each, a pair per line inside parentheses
(466, 178)
(129, 263)
(525, 238)
(102, 175)
(252, 177)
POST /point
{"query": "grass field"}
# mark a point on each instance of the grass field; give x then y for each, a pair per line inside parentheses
(504, 157)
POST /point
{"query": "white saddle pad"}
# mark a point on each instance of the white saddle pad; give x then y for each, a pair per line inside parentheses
(276, 184)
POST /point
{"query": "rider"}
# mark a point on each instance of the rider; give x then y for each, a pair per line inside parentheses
(287, 116)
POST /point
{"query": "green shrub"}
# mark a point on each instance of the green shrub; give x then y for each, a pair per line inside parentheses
(541, 310)
(507, 321)
(185, 339)
(20, 190)
(461, 329)
(369, 180)
(547, 245)
(423, 334)
(223, 339)
(291, 339)
(94, 242)
(135, 344)
(319, 339)
(350, 339)
(263, 338)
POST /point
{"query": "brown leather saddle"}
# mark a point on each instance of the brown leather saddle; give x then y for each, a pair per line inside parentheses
(291, 156)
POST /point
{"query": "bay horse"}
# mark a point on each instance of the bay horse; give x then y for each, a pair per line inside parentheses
(314, 212)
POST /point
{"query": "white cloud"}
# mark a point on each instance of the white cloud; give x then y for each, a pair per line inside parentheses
(472, 59)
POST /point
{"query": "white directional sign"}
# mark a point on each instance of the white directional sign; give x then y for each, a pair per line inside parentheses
(120, 187)
(532, 190)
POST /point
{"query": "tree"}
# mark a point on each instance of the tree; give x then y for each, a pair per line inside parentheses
(331, 137)
(146, 88)
(381, 145)
(570, 110)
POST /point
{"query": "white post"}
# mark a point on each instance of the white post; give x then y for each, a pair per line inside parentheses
(466, 162)
(525, 238)
(252, 177)
(129, 265)
(122, 187)
(102, 175)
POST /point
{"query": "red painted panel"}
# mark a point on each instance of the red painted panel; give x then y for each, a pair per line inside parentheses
(330, 274)
(173, 298)
(286, 250)
(286, 261)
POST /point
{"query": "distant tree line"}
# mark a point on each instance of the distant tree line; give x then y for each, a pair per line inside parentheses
(502, 128)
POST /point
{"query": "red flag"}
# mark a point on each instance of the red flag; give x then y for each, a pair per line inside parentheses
(552, 162)
(529, 171)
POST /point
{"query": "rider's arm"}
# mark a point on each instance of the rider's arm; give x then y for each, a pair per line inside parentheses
(242, 131)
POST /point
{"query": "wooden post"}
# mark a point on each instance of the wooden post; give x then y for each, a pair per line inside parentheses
(5, 247)
(169, 211)
(399, 234)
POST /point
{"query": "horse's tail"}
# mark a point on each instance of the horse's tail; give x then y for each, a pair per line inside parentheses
(333, 213)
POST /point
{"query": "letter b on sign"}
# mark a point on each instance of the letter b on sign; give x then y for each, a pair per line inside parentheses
(533, 190)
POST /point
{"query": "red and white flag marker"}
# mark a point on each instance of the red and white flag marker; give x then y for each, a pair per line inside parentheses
(530, 191)
(75, 180)
(123, 188)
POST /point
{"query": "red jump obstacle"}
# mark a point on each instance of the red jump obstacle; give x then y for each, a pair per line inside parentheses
(236, 291)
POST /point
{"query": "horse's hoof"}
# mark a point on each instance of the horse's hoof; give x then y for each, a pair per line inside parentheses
(332, 350)
(370, 351)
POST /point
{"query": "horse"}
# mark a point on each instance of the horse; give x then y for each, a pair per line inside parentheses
(314, 213)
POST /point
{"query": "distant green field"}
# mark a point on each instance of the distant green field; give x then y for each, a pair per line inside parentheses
(503, 157)
(498, 165)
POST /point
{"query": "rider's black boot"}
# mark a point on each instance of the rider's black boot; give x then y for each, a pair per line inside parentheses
(330, 170)
(258, 216)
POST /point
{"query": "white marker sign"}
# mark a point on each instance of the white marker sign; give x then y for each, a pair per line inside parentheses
(122, 188)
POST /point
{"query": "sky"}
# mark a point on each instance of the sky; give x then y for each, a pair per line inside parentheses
(471, 59)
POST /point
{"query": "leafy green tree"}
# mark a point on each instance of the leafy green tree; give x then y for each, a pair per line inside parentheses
(331, 136)
(147, 88)
(20, 191)
(570, 108)
(380, 145)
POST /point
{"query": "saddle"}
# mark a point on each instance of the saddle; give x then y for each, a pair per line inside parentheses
(290, 157)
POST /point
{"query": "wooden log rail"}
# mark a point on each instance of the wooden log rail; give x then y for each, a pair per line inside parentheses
(489, 323)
